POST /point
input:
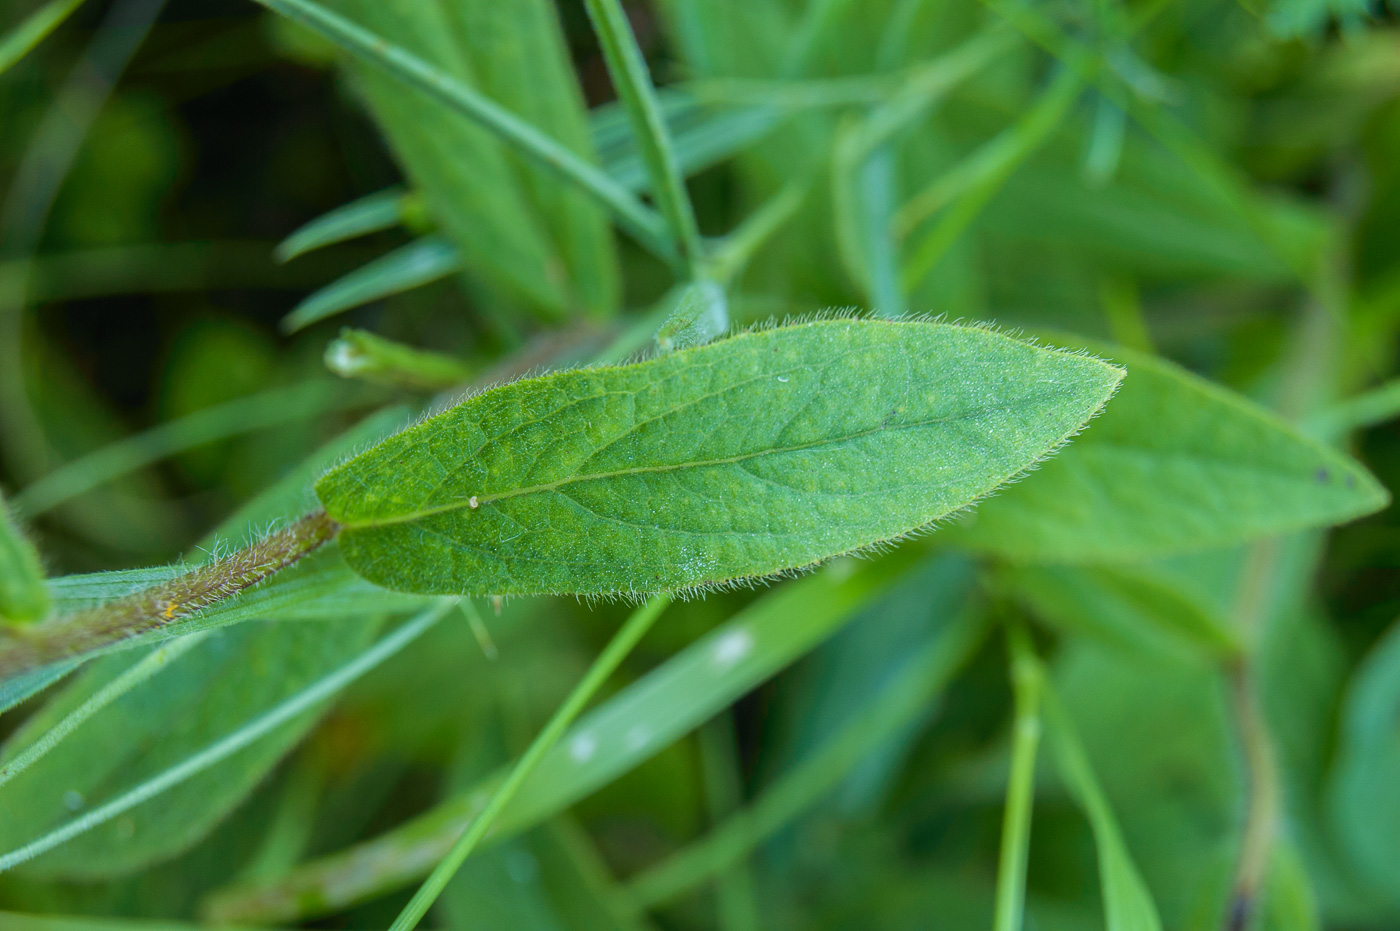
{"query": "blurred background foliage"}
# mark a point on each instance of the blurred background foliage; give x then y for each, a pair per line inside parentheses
(1215, 182)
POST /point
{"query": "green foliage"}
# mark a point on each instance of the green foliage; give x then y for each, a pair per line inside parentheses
(766, 452)
(1149, 479)
(281, 721)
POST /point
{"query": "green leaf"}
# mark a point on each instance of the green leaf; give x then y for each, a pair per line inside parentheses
(368, 214)
(12, 921)
(23, 597)
(612, 739)
(1127, 903)
(421, 262)
(1125, 607)
(22, 39)
(209, 692)
(1175, 464)
(757, 455)
(1361, 796)
(701, 315)
(362, 354)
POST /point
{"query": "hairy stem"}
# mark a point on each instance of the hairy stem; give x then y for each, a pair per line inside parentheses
(161, 605)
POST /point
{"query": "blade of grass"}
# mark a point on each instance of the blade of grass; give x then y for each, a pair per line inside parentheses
(796, 791)
(638, 219)
(368, 214)
(221, 749)
(150, 664)
(244, 415)
(1027, 682)
(733, 253)
(23, 597)
(1364, 410)
(22, 39)
(633, 85)
(362, 354)
(974, 181)
(421, 262)
(603, 667)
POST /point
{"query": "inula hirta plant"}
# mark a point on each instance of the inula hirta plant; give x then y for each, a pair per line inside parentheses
(759, 429)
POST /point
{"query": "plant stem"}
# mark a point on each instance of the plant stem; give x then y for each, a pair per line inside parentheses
(633, 84)
(1027, 685)
(635, 217)
(607, 662)
(161, 605)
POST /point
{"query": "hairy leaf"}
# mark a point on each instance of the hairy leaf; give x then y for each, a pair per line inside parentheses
(760, 454)
(1175, 464)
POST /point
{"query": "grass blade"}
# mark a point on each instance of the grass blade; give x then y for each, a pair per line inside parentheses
(636, 218)
(258, 727)
(420, 262)
(21, 40)
(902, 701)
(633, 85)
(362, 354)
(139, 672)
(368, 214)
(255, 412)
(972, 183)
(603, 667)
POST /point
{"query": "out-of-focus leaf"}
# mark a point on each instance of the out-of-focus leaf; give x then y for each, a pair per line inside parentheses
(1160, 741)
(1175, 463)
(620, 734)
(1363, 803)
(12, 921)
(23, 597)
(368, 214)
(701, 315)
(20, 40)
(362, 354)
(424, 261)
(763, 453)
(1127, 903)
(518, 227)
(225, 681)
(1287, 902)
(1124, 607)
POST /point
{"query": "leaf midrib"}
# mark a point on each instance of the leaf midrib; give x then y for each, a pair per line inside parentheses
(483, 500)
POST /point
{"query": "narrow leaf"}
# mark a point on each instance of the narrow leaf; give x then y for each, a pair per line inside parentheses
(421, 262)
(1175, 464)
(760, 454)
(613, 739)
(22, 39)
(362, 354)
(701, 315)
(368, 214)
(23, 597)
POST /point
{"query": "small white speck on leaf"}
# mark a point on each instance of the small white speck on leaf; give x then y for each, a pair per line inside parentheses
(472, 502)
(782, 379)
(72, 800)
(638, 737)
(732, 647)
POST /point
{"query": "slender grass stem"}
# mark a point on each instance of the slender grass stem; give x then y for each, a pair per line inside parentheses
(603, 667)
(643, 223)
(139, 672)
(222, 749)
(1027, 685)
(736, 899)
(634, 88)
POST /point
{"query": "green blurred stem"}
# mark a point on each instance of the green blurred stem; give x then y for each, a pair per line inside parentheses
(642, 222)
(1364, 410)
(1027, 686)
(138, 672)
(21, 40)
(736, 250)
(603, 667)
(633, 85)
(161, 605)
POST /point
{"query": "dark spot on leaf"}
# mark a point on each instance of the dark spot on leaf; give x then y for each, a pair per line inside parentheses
(1322, 476)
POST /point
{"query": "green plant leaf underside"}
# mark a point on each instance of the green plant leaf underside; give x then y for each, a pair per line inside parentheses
(766, 452)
